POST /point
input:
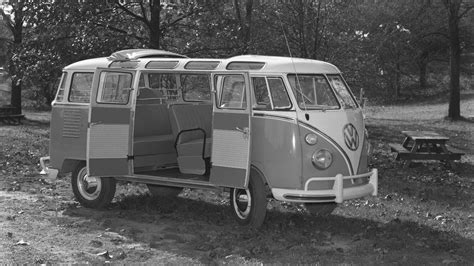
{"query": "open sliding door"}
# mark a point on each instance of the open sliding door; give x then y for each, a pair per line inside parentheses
(231, 129)
(109, 132)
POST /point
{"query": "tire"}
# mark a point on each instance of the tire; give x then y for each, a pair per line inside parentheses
(164, 191)
(249, 206)
(94, 192)
(320, 209)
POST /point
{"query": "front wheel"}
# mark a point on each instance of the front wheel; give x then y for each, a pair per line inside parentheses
(249, 205)
(92, 192)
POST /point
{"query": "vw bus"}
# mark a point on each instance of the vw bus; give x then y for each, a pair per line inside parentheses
(256, 126)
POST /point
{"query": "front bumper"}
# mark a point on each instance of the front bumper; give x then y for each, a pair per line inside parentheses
(52, 173)
(337, 194)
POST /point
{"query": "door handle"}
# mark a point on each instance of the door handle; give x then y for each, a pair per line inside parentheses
(95, 123)
(244, 131)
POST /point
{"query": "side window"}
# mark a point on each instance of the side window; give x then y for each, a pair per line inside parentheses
(114, 87)
(261, 94)
(196, 87)
(233, 92)
(270, 93)
(164, 85)
(81, 85)
(62, 86)
(279, 96)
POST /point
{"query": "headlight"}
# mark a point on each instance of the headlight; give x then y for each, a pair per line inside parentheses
(321, 159)
(311, 138)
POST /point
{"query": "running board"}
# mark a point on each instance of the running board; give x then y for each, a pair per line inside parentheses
(168, 181)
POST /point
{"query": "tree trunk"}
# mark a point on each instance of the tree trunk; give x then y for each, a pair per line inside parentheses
(154, 26)
(453, 6)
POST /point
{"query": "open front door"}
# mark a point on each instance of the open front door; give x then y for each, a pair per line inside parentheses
(231, 129)
(109, 133)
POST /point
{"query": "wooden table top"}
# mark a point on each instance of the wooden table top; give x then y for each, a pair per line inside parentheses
(424, 135)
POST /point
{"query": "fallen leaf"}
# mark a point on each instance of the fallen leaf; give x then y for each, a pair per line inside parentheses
(22, 243)
(105, 254)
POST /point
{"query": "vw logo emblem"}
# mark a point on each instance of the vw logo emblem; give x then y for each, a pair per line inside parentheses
(351, 137)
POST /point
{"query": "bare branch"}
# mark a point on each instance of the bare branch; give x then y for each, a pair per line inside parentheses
(130, 13)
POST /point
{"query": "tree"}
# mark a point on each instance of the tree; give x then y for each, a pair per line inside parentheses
(15, 16)
(456, 9)
(157, 18)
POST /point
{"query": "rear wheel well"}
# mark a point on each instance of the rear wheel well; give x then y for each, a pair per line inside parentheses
(70, 165)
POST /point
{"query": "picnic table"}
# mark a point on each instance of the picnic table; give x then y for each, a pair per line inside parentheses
(10, 115)
(425, 145)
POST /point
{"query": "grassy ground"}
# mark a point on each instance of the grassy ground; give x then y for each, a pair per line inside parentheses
(423, 214)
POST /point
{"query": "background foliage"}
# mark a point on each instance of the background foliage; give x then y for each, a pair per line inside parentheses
(392, 49)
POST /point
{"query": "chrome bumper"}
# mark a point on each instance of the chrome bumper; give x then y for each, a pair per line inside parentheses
(337, 194)
(52, 173)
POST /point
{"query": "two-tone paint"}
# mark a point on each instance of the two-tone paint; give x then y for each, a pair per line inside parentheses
(276, 138)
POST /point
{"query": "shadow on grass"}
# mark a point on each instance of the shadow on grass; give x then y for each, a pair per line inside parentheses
(199, 229)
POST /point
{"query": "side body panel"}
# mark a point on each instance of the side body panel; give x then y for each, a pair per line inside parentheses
(276, 149)
(68, 135)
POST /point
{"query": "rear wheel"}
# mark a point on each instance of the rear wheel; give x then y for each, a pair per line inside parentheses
(249, 205)
(92, 192)
(320, 209)
(164, 191)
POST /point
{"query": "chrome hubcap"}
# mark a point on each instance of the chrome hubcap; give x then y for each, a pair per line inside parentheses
(242, 202)
(89, 187)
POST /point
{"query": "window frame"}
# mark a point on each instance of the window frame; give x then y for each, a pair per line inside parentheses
(71, 83)
(100, 89)
(354, 100)
(62, 87)
(183, 92)
(270, 94)
(219, 94)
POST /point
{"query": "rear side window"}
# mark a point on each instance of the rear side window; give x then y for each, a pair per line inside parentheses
(62, 86)
(81, 85)
(114, 87)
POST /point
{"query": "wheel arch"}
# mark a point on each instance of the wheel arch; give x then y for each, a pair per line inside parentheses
(255, 171)
(69, 165)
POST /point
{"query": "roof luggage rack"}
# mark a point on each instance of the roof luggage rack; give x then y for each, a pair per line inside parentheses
(133, 54)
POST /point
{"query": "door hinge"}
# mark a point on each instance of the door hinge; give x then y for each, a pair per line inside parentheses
(130, 157)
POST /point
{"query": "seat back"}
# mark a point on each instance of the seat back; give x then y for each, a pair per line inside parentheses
(152, 120)
(190, 116)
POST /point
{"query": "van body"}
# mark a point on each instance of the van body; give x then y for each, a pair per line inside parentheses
(250, 124)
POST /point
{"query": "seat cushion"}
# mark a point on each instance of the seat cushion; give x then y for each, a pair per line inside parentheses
(194, 148)
(153, 145)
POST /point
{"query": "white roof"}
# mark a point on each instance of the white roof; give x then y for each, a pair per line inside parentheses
(287, 64)
(273, 64)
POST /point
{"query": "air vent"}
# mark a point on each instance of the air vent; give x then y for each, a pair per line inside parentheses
(72, 123)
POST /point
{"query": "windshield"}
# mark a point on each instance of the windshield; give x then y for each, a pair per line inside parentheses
(313, 92)
(342, 91)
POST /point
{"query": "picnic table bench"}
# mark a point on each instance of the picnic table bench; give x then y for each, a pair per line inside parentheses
(425, 145)
(10, 115)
